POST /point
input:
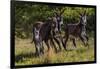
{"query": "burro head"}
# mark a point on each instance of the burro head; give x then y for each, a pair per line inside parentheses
(83, 18)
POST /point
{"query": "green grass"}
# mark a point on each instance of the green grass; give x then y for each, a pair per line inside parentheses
(24, 53)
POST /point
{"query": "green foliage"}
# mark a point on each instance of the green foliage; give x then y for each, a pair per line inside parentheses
(27, 14)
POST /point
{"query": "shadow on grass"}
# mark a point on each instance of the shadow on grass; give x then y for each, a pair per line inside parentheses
(21, 57)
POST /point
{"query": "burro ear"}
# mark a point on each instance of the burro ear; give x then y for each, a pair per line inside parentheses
(62, 11)
(55, 11)
(80, 13)
(84, 12)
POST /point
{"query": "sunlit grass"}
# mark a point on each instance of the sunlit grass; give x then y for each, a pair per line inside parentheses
(24, 53)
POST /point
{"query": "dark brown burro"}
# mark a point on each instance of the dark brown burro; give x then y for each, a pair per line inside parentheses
(48, 30)
(77, 30)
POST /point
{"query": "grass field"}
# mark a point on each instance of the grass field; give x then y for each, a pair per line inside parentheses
(24, 53)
